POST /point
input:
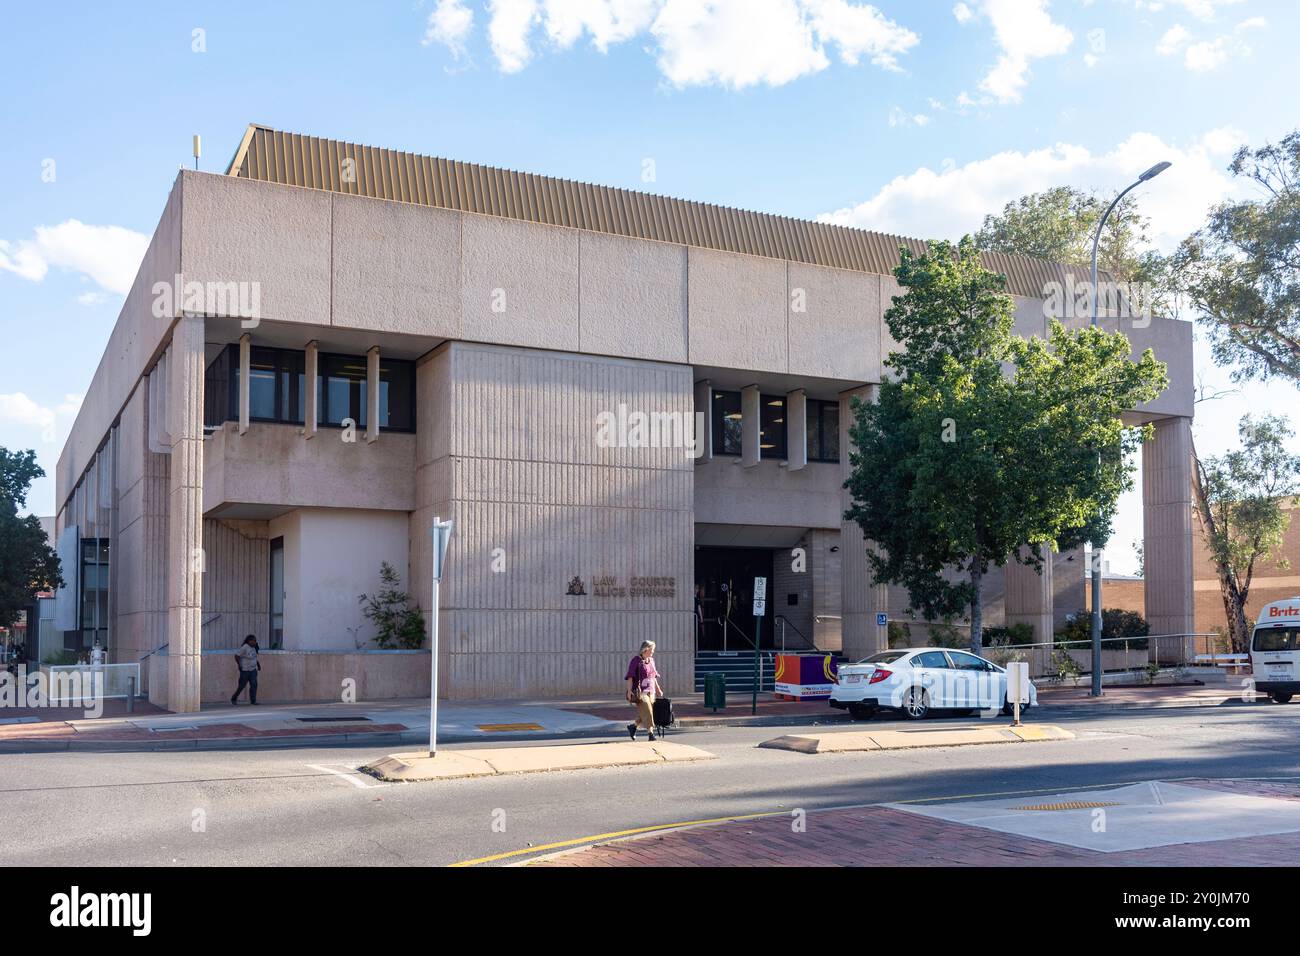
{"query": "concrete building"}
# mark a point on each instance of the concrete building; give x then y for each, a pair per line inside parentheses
(332, 344)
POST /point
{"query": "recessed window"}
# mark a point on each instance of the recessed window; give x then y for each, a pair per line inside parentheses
(277, 389)
(726, 423)
(771, 429)
(823, 430)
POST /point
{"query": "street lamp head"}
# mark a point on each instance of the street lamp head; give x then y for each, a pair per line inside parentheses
(1154, 171)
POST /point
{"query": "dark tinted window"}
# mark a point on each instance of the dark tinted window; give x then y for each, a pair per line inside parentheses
(278, 389)
(726, 423)
(967, 662)
(771, 435)
(823, 430)
(930, 659)
(884, 657)
(1276, 639)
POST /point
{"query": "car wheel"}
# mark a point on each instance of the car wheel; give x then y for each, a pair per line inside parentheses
(1009, 709)
(1281, 698)
(916, 704)
(862, 711)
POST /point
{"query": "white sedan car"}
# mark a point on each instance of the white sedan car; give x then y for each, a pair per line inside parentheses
(921, 679)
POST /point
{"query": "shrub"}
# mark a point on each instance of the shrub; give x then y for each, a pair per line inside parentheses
(1066, 667)
(397, 624)
(1018, 633)
(900, 634)
(945, 635)
(62, 657)
(1115, 623)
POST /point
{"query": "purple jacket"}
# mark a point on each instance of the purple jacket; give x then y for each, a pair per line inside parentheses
(643, 672)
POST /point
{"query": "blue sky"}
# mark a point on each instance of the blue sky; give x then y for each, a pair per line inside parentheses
(912, 117)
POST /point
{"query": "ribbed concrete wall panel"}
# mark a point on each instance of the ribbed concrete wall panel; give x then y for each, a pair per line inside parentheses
(537, 501)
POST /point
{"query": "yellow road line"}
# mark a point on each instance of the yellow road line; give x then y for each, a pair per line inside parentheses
(615, 835)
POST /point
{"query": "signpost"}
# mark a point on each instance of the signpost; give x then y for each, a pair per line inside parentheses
(441, 534)
(760, 609)
(1017, 688)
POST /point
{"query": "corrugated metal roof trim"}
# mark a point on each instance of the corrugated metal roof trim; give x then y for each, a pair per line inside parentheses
(295, 159)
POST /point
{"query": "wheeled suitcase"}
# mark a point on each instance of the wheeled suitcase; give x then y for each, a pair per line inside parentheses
(663, 713)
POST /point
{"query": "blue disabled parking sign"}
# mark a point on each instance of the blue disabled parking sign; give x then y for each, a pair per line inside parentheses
(882, 620)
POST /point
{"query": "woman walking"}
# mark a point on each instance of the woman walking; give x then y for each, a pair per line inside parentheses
(642, 687)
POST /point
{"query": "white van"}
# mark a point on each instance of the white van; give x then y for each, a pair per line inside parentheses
(1275, 650)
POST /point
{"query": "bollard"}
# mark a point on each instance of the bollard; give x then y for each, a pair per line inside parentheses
(130, 695)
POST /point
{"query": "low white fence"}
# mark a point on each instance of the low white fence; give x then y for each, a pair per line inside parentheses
(73, 683)
(1117, 654)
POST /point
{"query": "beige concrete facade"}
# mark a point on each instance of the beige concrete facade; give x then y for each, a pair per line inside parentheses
(523, 335)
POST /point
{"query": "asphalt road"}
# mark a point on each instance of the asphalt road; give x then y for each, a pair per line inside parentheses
(307, 806)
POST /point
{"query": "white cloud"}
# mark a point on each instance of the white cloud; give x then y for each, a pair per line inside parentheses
(962, 12)
(1201, 9)
(1173, 40)
(508, 31)
(900, 117)
(732, 43)
(21, 413)
(1023, 31)
(109, 255)
(607, 21)
(1206, 55)
(450, 24)
(954, 201)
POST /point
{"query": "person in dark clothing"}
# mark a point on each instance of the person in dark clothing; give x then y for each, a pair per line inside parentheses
(246, 657)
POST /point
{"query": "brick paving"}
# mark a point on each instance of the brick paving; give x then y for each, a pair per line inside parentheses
(880, 836)
(87, 730)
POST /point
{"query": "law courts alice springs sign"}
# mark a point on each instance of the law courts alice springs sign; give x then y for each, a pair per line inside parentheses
(607, 585)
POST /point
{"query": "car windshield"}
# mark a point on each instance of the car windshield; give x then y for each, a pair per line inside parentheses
(884, 657)
(1276, 639)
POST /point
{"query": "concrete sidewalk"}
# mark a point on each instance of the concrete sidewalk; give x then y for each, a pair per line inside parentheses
(851, 741)
(382, 723)
(452, 764)
(395, 722)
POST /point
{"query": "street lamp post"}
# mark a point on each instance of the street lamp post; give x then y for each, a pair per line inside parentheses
(1151, 173)
(440, 533)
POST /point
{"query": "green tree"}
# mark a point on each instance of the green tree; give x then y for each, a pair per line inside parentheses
(985, 443)
(1058, 225)
(1241, 500)
(1241, 270)
(27, 562)
(397, 624)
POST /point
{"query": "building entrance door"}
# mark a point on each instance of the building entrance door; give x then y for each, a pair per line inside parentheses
(724, 594)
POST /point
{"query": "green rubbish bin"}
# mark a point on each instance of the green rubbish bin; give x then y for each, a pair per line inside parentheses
(715, 691)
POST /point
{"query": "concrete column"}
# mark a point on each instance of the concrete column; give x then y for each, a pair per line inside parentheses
(185, 559)
(1029, 597)
(750, 426)
(704, 428)
(1167, 527)
(796, 429)
(372, 394)
(310, 414)
(245, 352)
(860, 599)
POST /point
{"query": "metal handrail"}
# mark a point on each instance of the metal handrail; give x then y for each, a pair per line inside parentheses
(786, 622)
